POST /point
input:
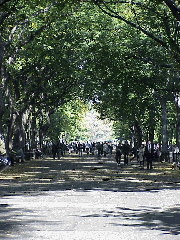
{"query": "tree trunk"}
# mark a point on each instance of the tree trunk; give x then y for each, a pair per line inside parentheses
(164, 125)
(178, 121)
(138, 133)
(163, 101)
(2, 110)
(33, 143)
(19, 134)
(2, 107)
(40, 132)
(152, 123)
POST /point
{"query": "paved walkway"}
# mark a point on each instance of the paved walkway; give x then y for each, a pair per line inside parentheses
(89, 198)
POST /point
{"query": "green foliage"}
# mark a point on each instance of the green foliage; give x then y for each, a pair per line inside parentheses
(67, 120)
(56, 51)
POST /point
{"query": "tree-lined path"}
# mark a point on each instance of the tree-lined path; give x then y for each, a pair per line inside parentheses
(60, 58)
(89, 198)
(61, 61)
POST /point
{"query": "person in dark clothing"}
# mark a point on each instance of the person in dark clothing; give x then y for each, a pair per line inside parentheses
(59, 149)
(80, 149)
(38, 153)
(99, 148)
(126, 150)
(149, 153)
(54, 150)
(118, 154)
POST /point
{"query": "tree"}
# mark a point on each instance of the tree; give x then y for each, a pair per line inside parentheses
(85, 53)
(27, 82)
(158, 20)
(67, 120)
(157, 34)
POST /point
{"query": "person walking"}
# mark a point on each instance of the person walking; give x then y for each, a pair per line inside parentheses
(59, 149)
(98, 147)
(54, 150)
(141, 155)
(80, 149)
(105, 149)
(87, 148)
(126, 150)
(149, 152)
(118, 154)
(175, 153)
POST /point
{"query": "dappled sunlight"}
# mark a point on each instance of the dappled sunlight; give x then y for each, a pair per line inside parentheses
(168, 220)
(85, 162)
(134, 180)
(44, 167)
(17, 176)
(87, 172)
(32, 173)
(154, 174)
(92, 193)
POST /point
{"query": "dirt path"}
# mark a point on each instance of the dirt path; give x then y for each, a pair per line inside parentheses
(89, 199)
(87, 172)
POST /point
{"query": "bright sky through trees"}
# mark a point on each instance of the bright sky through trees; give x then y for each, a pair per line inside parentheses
(97, 129)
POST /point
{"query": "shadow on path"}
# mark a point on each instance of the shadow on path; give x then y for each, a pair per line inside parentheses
(145, 218)
(86, 173)
(37, 177)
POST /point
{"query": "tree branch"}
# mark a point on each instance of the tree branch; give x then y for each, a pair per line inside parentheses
(174, 9)
(4, 2)
(172, 47)
(3, 16)
(114, 14)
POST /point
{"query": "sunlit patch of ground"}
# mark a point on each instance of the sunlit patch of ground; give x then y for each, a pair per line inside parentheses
(76, 170)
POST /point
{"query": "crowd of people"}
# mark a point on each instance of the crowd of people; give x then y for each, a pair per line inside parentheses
(146, 152)
(94, 148)
(123, 151)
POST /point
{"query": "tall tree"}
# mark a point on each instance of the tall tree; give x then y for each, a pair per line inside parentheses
(158, 20)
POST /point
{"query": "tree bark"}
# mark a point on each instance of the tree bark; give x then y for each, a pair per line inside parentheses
(2, 107)
(164, 125)
(177, 101)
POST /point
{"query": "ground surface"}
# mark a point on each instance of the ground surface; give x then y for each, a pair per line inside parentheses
(89, 198)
